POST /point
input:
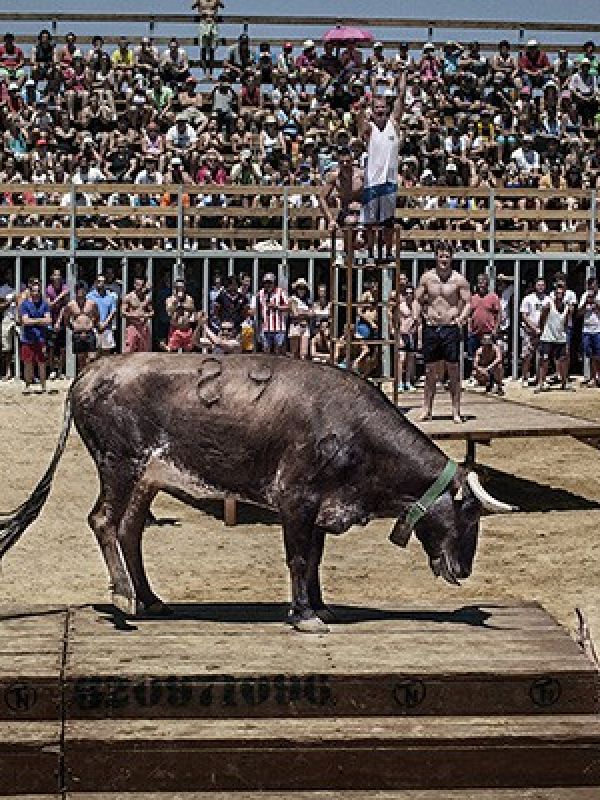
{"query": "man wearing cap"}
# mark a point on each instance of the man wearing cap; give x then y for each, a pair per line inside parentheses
(534, 65)
(174, 65)
(381, 171)
(146, 56)
(269, 308)
(589, 52)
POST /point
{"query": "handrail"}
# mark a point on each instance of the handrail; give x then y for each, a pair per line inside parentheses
(312, 21)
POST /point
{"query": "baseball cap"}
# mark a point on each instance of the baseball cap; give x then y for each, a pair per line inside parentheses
(176, 161)
(288, 46)
(308, 43)
(377, 45)
(451, 167)
(269, 276)
(429, 46)
(12, 87)
(42, 141)
(532, 43)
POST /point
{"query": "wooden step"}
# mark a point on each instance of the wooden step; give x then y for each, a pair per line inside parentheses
(409, 794)
(335, 754)
(226, 661)
(30, 757)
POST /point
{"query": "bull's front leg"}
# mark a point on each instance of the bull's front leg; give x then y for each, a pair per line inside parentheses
(298, 538)
(315, 595)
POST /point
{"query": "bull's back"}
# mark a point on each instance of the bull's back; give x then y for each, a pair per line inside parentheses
(228, 420)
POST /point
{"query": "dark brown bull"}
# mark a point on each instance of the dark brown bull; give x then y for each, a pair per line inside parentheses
(323, 448)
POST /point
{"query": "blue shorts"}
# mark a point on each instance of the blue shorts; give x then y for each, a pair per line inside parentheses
(591, 345)
(272, 339)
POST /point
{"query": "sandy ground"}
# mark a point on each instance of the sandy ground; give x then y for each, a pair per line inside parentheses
(548, 552)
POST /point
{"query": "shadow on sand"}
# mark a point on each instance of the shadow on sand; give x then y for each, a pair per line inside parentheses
(532, 496)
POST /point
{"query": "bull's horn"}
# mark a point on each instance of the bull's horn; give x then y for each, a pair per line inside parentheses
(487, 501)
(459, 494)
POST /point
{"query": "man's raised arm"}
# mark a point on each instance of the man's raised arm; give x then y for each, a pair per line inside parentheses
(398, 109)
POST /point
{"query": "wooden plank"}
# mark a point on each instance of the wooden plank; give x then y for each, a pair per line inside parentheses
(334, 753)
(374, 794)
(572, 793)
(30, 757)
(319, 695)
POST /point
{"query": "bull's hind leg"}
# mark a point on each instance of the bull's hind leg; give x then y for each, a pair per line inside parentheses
(129, 538)
(103, 522)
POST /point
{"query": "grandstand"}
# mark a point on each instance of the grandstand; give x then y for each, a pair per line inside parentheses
(499, 157)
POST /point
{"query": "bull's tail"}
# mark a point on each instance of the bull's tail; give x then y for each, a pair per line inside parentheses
(17, 521)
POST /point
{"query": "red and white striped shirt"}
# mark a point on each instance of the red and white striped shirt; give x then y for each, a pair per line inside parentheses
(272, 320)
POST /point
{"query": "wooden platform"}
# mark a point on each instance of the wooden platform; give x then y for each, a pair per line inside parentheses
(487, 418)
(228, 698)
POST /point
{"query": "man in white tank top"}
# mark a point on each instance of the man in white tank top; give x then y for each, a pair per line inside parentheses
(554, 321)
(381, 169)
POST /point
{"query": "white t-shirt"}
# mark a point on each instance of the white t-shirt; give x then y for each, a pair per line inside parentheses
(591, 316)
(531, 306)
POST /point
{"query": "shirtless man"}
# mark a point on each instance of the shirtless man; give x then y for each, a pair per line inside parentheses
(443, 299)
(137, 309)
(182, 316)
(82, 316)
(347, 183)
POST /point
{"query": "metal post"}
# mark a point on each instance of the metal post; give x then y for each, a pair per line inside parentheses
(71, 366)
(311, 276)
(385, 296)
(100, 266)
(125, 284)
(415, 273)
(205, 287)
(285, 233)
(18, 281)
(492, 214)
(516, 320)
(590, 270)
(44, 272)
(150, 285)
(179, 222)
(463, 272)
(349, 294)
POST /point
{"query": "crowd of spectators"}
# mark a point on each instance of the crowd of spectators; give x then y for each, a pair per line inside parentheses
(135, 114)
(170, 317)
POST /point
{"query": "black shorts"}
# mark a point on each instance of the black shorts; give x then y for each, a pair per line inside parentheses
(84, 342)
(441, 343)
(555, 350)
(57, 340)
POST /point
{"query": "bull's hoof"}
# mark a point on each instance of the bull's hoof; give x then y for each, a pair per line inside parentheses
(326, 615)
(126, 603)
(310, 625)
(157, 609)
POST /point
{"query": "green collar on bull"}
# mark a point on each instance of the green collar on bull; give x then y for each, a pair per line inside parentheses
(418, 510)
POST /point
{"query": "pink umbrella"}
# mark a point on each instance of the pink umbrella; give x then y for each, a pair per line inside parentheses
(346, 34)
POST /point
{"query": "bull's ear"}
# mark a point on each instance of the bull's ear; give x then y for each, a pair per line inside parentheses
(400, 534)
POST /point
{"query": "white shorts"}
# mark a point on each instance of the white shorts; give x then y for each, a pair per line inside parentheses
(106, 340)
(298, 329)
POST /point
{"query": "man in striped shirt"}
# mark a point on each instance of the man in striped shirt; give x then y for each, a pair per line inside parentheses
(270, 307)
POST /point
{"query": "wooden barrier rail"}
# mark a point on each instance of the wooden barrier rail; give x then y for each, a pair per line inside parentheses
(483, 216)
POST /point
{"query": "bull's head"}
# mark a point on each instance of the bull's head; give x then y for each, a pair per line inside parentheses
(448, 530)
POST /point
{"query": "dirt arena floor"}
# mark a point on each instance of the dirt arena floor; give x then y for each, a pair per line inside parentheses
(548, 552)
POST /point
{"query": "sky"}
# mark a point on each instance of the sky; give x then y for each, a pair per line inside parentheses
(527, 10)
